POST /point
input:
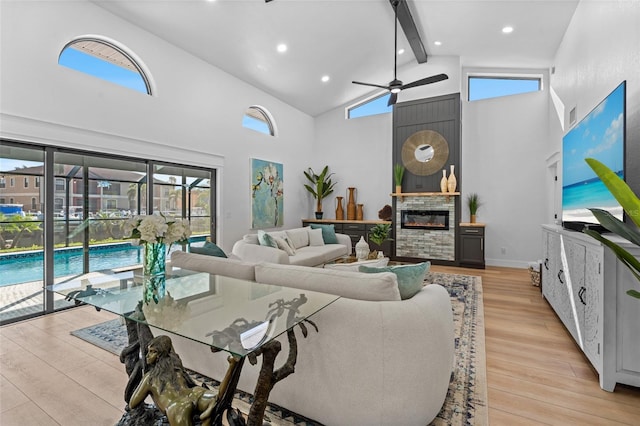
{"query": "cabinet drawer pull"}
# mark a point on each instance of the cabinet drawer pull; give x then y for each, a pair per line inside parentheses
(560, 273)
(546, 264)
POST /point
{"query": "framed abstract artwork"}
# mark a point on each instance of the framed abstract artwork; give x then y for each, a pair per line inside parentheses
(267, 201)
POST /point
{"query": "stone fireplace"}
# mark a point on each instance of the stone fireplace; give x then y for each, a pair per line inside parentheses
(425, 227)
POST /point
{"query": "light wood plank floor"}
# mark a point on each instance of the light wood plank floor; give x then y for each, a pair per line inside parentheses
(536, 374)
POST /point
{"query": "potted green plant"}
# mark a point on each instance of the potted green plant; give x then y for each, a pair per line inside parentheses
(379, 233)
(321, 186)
(473, 201)
(631, 205)
(398, 174)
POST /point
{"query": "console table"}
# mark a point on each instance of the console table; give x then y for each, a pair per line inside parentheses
(240, 318)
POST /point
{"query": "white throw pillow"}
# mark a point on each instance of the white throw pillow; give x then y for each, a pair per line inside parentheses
(282, 245)
(315, 237)
(299, 237)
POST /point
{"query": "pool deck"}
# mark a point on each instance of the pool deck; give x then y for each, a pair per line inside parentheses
(20, 299)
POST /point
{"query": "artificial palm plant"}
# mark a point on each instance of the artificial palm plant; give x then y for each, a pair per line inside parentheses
(631, 205)
(321, 185)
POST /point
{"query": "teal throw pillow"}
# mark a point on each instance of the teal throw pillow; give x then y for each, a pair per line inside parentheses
(328, 232)
(266, 240)
(210, 249)
(410, 277)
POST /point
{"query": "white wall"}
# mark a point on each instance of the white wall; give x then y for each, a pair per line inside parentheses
(195, 117)
(600, 49)
(503, 152)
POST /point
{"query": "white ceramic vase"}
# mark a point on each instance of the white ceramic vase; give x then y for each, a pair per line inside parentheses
(362, 249)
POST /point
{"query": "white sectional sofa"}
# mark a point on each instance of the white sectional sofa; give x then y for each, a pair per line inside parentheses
(306, 250)
(376, 360)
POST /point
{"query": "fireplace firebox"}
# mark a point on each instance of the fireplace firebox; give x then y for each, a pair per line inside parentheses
(437, 220)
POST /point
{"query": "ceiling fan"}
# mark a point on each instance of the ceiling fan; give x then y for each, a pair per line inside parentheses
(395, 86)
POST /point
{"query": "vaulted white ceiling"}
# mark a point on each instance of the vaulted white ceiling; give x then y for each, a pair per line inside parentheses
(347, 39)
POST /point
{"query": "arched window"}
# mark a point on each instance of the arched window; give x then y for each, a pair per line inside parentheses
(259, 119)
(105, 60)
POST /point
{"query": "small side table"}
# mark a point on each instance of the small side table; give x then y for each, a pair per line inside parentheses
(472, 245)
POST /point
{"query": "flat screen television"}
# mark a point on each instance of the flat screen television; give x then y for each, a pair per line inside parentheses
(600, 135)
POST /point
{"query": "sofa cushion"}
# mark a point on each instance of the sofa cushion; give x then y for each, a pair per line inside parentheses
(266, 240)
(213, 265)
(410, 277)
(209, 248)
(353, 285)
(299, 237)
(328, 232)
(282, 245)
(315, 237)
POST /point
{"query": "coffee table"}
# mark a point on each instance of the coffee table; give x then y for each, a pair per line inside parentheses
(351, 263)
(241, 318)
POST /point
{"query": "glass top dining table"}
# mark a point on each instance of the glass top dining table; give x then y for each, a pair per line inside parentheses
(228, 314)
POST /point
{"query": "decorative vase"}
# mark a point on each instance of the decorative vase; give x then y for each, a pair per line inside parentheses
(452, 182)
(473, 218)
(362, 249)
(153, 269)
(398, 189)
(154, 288)
(155, 258)
(339, 209)
(360, 212)
(319, 215)
(444, 181)
(351, 204)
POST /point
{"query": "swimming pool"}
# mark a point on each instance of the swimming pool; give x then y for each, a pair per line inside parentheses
(25, 267)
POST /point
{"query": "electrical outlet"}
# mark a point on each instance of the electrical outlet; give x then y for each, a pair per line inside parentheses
(503, 250)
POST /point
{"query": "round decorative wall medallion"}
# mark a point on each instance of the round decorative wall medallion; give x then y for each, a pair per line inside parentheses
(425, 152)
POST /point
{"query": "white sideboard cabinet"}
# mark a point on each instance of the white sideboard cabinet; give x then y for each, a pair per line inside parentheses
(586, 286)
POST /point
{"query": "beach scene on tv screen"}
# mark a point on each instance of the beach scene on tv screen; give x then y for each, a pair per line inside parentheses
(599, 135)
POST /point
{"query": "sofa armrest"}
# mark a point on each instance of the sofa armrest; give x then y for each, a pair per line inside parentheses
(345, 240)
(257, 253)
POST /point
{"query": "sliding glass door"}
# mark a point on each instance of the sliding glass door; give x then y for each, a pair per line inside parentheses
(62, 213)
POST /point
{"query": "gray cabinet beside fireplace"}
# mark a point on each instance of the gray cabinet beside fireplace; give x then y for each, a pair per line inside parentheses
(472, 245)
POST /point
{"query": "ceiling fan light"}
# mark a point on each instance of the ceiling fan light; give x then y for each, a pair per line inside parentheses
(395, 90)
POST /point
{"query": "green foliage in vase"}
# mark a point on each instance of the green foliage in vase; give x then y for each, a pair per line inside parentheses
(631, 205)
(321, 185)
(473, 201)
(398, 173)
(380, 233)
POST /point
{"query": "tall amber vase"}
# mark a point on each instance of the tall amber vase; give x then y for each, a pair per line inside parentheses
(360, 212)
(339, 209)
(351, 204)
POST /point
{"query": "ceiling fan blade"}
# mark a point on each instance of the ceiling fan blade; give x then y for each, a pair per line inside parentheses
(371, 84)
(428, 80)
(392, 99)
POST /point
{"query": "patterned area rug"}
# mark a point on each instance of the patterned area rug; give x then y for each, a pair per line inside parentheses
(466, 401)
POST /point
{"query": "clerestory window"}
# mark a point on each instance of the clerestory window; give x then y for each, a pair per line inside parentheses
(486, 87)
(105, 60)
(259, 119)
(370, 106)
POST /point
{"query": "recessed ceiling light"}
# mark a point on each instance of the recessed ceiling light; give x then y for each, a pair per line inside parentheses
(282, 48)
(437, 43)
(400, 52)
(325, 78)
(507, 30)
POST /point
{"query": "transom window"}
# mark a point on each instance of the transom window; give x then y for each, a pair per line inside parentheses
(259, 119)
(486, 87)
(104, 60)
(370, 106)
